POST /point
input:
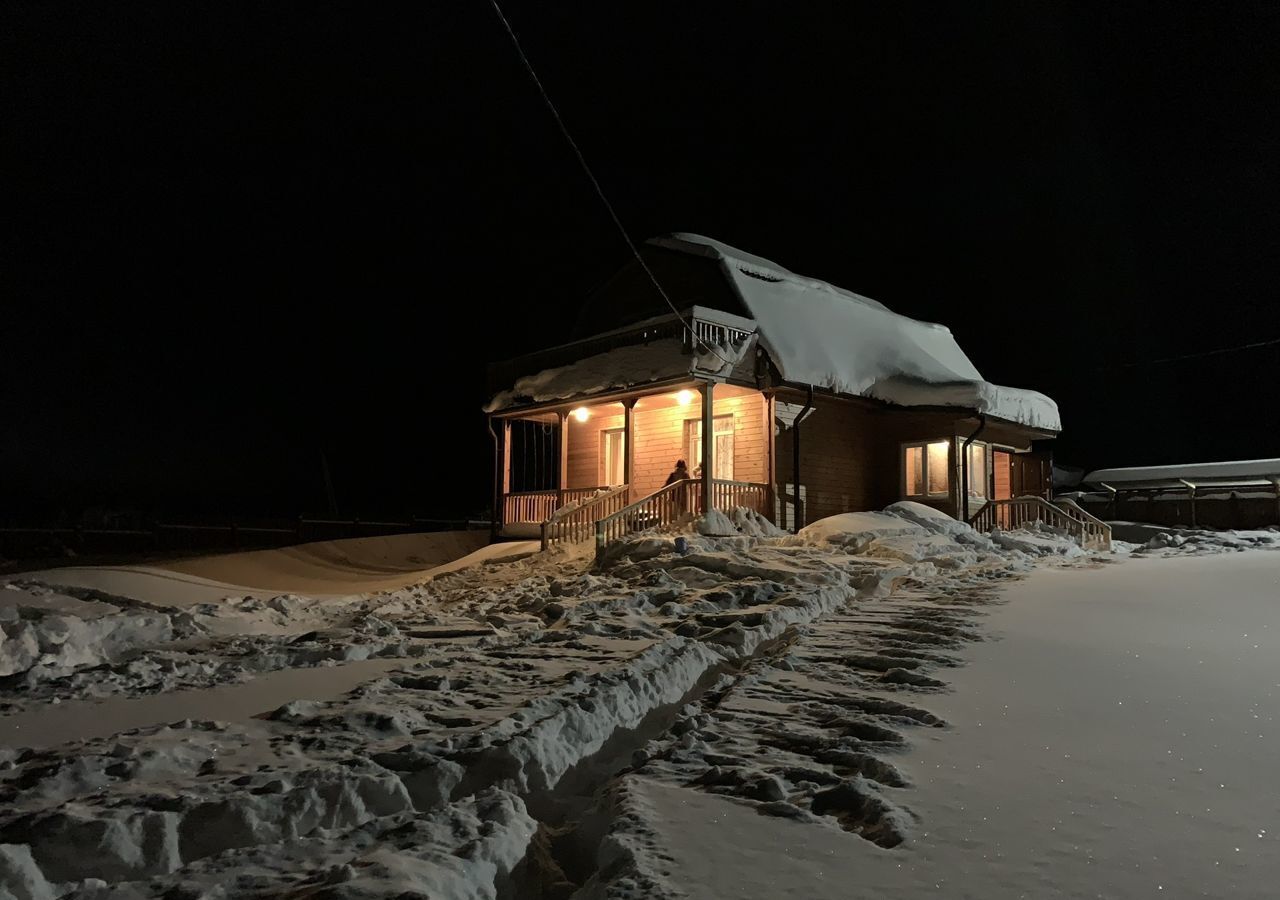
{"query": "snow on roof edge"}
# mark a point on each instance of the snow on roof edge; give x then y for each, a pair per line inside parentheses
(1020, 406)
(1261, 469)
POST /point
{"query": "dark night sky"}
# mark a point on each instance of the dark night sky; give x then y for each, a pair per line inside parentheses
(240, 235)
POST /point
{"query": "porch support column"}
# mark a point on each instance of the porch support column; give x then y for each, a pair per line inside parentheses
(506, 456)
(770, 457)
(708, 443)
(562, 470)
(629, 446)
(1192, 488)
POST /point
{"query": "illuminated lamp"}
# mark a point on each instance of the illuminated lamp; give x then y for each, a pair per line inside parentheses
(581, 414)
(684, 398)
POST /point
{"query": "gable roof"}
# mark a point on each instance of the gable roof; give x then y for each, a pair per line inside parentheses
(819, 334)
(814, 332)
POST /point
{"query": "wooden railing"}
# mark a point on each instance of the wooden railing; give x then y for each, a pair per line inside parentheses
(665, 506)
(1014, 513)
(575, 521)
(529, 506)
(538, 506)
(675, 503)
(1097, 532)
(702, 333)
(725, 495)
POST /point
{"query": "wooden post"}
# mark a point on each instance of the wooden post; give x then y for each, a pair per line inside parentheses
(1192, 488)
(506, 458)
(562, 471)
(708, 443)
(771, 474)
(629, 445)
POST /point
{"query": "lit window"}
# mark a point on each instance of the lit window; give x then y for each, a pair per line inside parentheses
(723, 436)
(925, 469)
(938, 468)
(978, 471)
(915, 471)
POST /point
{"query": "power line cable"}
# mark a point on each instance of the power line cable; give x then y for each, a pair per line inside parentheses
(1151, 362)
(582, 160)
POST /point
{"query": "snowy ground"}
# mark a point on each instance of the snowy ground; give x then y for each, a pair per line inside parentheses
(765, 716)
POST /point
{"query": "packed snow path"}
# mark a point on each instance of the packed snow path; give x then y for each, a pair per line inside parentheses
(512, 725)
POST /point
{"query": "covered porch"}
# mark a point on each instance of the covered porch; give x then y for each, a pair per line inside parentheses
(561, 466)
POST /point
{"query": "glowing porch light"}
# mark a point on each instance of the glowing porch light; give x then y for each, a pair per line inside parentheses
(684, 398)
(581, 414)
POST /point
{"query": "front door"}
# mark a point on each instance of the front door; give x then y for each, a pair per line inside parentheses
(613, 455)
(1032, 474)
(1002, 463)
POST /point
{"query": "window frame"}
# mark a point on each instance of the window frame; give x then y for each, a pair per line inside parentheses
(987, 457)
(946, 492)
(604, 455)
(692, 440)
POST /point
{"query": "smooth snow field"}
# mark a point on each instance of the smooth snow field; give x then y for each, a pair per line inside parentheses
(1116, 737)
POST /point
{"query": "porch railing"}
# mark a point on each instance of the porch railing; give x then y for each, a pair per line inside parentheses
(575, 521)
(538, 506)
(1018, 511)
(725, 495)
(529, 506)
(665, 506)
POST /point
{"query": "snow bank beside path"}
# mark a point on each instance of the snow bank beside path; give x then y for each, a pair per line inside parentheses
(499, 702)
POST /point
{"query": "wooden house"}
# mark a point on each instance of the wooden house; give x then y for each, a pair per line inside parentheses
(794, 397)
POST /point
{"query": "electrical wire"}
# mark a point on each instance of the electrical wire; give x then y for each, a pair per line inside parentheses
(1152, 362)
(582, 160)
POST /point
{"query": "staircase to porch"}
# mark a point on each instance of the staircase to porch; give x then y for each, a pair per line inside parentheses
(1067, 515)
(608, 514)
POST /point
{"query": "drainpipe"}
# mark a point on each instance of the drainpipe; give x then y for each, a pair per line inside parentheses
(795, 459)
(497, 481)
(964, 464)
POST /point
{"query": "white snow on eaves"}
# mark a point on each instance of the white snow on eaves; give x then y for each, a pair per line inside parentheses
(619, 368)
(819, 334)
(636, 365)
(1238, 470)
(1029, 408)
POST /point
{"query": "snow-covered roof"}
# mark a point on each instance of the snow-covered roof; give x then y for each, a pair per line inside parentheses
(1248, 471)
(816, 334)
(635, 365)
(819, 334)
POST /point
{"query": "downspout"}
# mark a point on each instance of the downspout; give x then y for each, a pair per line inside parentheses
(497, 481)
(795, 458)
(964, 464)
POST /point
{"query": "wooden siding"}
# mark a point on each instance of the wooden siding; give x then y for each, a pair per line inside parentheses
(586, 468)
(851, 455)
(660, 442)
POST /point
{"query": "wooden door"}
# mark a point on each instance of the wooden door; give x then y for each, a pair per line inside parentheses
(1032, 474)
(1002, 465)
